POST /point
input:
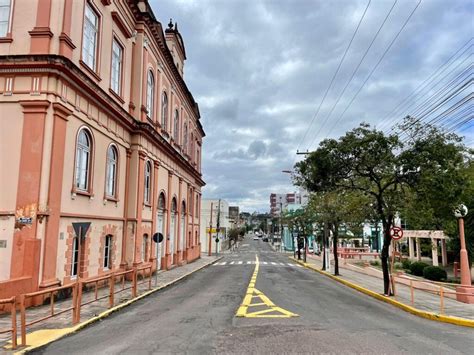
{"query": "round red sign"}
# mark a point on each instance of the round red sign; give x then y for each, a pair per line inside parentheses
(396, 233)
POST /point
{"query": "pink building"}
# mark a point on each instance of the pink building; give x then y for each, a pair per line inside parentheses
(96, 125)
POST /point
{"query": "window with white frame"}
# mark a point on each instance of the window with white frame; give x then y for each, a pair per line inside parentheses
(145, 247)
(108, 252)
(83, 157)
(147, 194)
(90, 37)
(176, 125)
(5, 6)
(185, 138)
(150, 93)
(75, 256)
(112, 163)
(116, 70)
(164, 111)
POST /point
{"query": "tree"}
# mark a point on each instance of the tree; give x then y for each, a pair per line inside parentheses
(301, 221)
(337, 209)
(381, 167)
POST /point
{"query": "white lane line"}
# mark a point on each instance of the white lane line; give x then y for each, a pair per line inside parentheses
(240, 262)
(249, 262)
(273, 263)
(290, 264)
(223, 263)
(282, 264)
(232, 263)
(264, 263)
(298, 265)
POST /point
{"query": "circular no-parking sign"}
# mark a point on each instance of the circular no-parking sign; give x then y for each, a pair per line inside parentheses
(396, 233)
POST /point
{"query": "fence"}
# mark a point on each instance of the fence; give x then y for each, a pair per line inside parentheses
(117, 282)
(52, 292)
(13, 328)
(443, 292)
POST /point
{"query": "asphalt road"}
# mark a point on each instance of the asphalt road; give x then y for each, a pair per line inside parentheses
(197, 316)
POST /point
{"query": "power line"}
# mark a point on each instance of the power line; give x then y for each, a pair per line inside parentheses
(376, 66)
(335, 74)
(427, 81)
(353, 74)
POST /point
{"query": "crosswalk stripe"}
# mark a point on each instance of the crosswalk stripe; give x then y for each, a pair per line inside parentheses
(240, 262)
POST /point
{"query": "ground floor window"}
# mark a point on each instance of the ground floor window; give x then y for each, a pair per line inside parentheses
(107, 251)
(75, 256)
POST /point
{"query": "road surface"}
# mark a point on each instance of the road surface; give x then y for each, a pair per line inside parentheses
(197, 316)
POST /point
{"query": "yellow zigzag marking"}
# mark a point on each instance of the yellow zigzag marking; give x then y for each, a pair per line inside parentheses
(253, 293)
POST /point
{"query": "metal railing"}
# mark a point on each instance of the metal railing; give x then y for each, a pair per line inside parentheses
(116, 282)
(13, 329)
(51, 292)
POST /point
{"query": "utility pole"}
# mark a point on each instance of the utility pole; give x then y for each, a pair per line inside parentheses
(218, 226)
(210, 232)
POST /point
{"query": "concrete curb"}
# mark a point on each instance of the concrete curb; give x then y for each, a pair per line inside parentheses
(424, 314)
(71, 330)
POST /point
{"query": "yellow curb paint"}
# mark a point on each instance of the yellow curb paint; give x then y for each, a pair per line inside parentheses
(415, 311)
(43, 337)
(252, 293)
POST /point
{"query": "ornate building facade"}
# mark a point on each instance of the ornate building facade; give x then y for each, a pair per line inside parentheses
(96, 125)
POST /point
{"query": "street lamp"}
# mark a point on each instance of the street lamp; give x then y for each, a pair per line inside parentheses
(465, 292)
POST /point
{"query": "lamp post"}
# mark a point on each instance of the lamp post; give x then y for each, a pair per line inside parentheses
(465, 292)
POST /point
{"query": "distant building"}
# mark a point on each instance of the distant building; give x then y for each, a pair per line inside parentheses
(280, 202)
(220, 214)
(234, 216)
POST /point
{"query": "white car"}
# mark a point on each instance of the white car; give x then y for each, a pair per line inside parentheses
(255, 237)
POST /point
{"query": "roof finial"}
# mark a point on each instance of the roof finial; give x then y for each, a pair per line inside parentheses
(170, 25)
(176, 26)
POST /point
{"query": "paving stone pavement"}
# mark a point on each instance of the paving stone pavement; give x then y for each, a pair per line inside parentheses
(423, 300)
(95, 308)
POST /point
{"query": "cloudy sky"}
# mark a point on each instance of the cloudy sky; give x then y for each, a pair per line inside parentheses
(259, 70)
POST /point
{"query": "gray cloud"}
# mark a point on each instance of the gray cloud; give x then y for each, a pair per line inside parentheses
(259, 68)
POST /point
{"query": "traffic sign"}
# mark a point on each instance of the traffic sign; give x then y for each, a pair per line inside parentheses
(157, 237)
(396, 233)
(81, 228)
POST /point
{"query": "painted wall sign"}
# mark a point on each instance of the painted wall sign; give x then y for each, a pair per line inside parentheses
(25, 220)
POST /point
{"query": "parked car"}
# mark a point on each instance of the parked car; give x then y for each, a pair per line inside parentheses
(265, 239)
(255, 237)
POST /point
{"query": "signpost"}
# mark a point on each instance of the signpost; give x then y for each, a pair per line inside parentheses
(157, 238)
(396, 233)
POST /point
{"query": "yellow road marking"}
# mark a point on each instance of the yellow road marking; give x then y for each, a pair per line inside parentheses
(253, 293)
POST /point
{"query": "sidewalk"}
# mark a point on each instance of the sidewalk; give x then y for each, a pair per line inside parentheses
(423, 300)
(165, 278)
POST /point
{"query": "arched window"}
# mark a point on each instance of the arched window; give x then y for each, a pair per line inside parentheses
(182, 235)
(164, 111)
(150, 93)
(197, 207)
(112, 164)
(191, 148)
(173, 228)
(185, 138)
(161, 213)
(145, 247)
(176, 125)
(83, 159)
(147, 182)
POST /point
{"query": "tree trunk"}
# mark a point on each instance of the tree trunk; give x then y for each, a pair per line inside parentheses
(334, 247)
(325, 235)
(386, 244)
